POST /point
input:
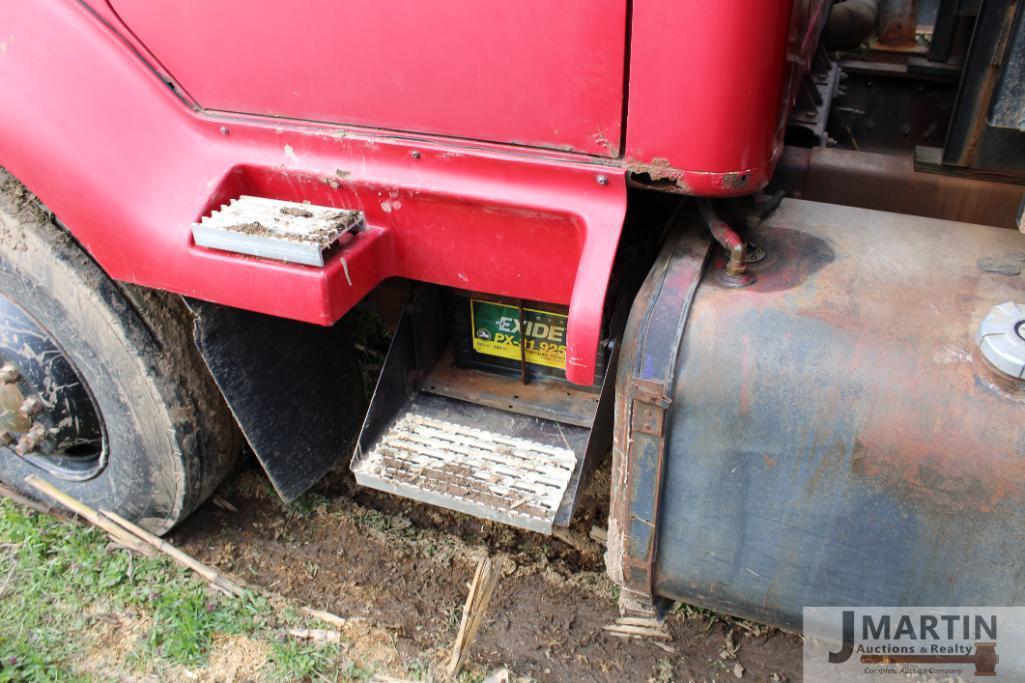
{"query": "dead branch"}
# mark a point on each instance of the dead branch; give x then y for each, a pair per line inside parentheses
(133, 536)
(116, 533)
(22, 500)
(327, 617)
(481, 590)
(316, 634)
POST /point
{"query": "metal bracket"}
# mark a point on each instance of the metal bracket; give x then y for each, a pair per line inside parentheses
(649, 407)
(646, 376)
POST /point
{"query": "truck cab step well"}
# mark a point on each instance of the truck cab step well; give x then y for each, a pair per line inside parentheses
(444, 435)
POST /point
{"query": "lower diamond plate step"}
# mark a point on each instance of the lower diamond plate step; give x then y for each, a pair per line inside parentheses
(447, 453)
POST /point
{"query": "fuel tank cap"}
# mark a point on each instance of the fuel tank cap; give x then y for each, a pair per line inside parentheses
(1001, 338)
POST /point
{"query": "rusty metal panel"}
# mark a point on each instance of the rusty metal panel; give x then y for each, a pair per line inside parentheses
(888, 182)
(544, 398)
(834, 437)
(896, 25)
(1008, 109)
(974, 139)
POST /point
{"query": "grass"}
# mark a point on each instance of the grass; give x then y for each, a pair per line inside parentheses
(294, 661)
(62, 590)
(305, 505)
(371, 340)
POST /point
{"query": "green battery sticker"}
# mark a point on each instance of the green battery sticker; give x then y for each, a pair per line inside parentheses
(496, 332)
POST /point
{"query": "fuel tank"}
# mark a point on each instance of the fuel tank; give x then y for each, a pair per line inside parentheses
(832, 434)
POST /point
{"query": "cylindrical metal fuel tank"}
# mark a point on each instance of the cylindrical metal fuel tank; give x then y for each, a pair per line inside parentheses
(831, 434)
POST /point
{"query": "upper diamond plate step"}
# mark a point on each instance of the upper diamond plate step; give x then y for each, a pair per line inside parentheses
(276, 229)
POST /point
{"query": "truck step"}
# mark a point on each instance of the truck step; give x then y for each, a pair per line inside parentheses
(272, 228)
(478, 443)
(476, 460)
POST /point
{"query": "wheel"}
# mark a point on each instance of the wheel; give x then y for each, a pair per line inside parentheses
(102, 391)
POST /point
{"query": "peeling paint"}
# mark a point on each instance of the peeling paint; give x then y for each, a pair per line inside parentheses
(952, 355)
(603, 141)
(345, 269)
(291, 155)
(614, 552)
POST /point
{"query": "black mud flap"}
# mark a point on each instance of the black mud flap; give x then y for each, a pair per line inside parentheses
(294, 388)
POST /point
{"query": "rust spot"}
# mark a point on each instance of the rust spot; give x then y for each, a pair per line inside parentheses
(658, 174)
(658, 169)
(735, 181)
(603, 141)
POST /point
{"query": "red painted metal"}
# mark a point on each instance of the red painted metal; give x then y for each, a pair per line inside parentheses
(532, 72)
(710, 87)
(128, 167)
(129, 160)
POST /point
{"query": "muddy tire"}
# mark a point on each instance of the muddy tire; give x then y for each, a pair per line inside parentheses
(158, 437)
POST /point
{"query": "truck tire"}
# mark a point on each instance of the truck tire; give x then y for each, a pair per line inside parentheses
(128, 418)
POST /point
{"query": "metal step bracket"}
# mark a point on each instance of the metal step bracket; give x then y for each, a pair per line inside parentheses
(294, 232)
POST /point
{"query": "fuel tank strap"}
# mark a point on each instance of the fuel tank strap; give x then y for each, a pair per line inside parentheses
(643, 388)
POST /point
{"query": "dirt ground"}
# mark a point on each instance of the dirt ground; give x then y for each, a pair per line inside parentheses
(405, 569)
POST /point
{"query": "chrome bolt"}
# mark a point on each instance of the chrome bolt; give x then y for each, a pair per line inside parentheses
(30, 440)
(224, 130)
(9, 374)
(31, 407)
(415, 154)
(602, 180)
